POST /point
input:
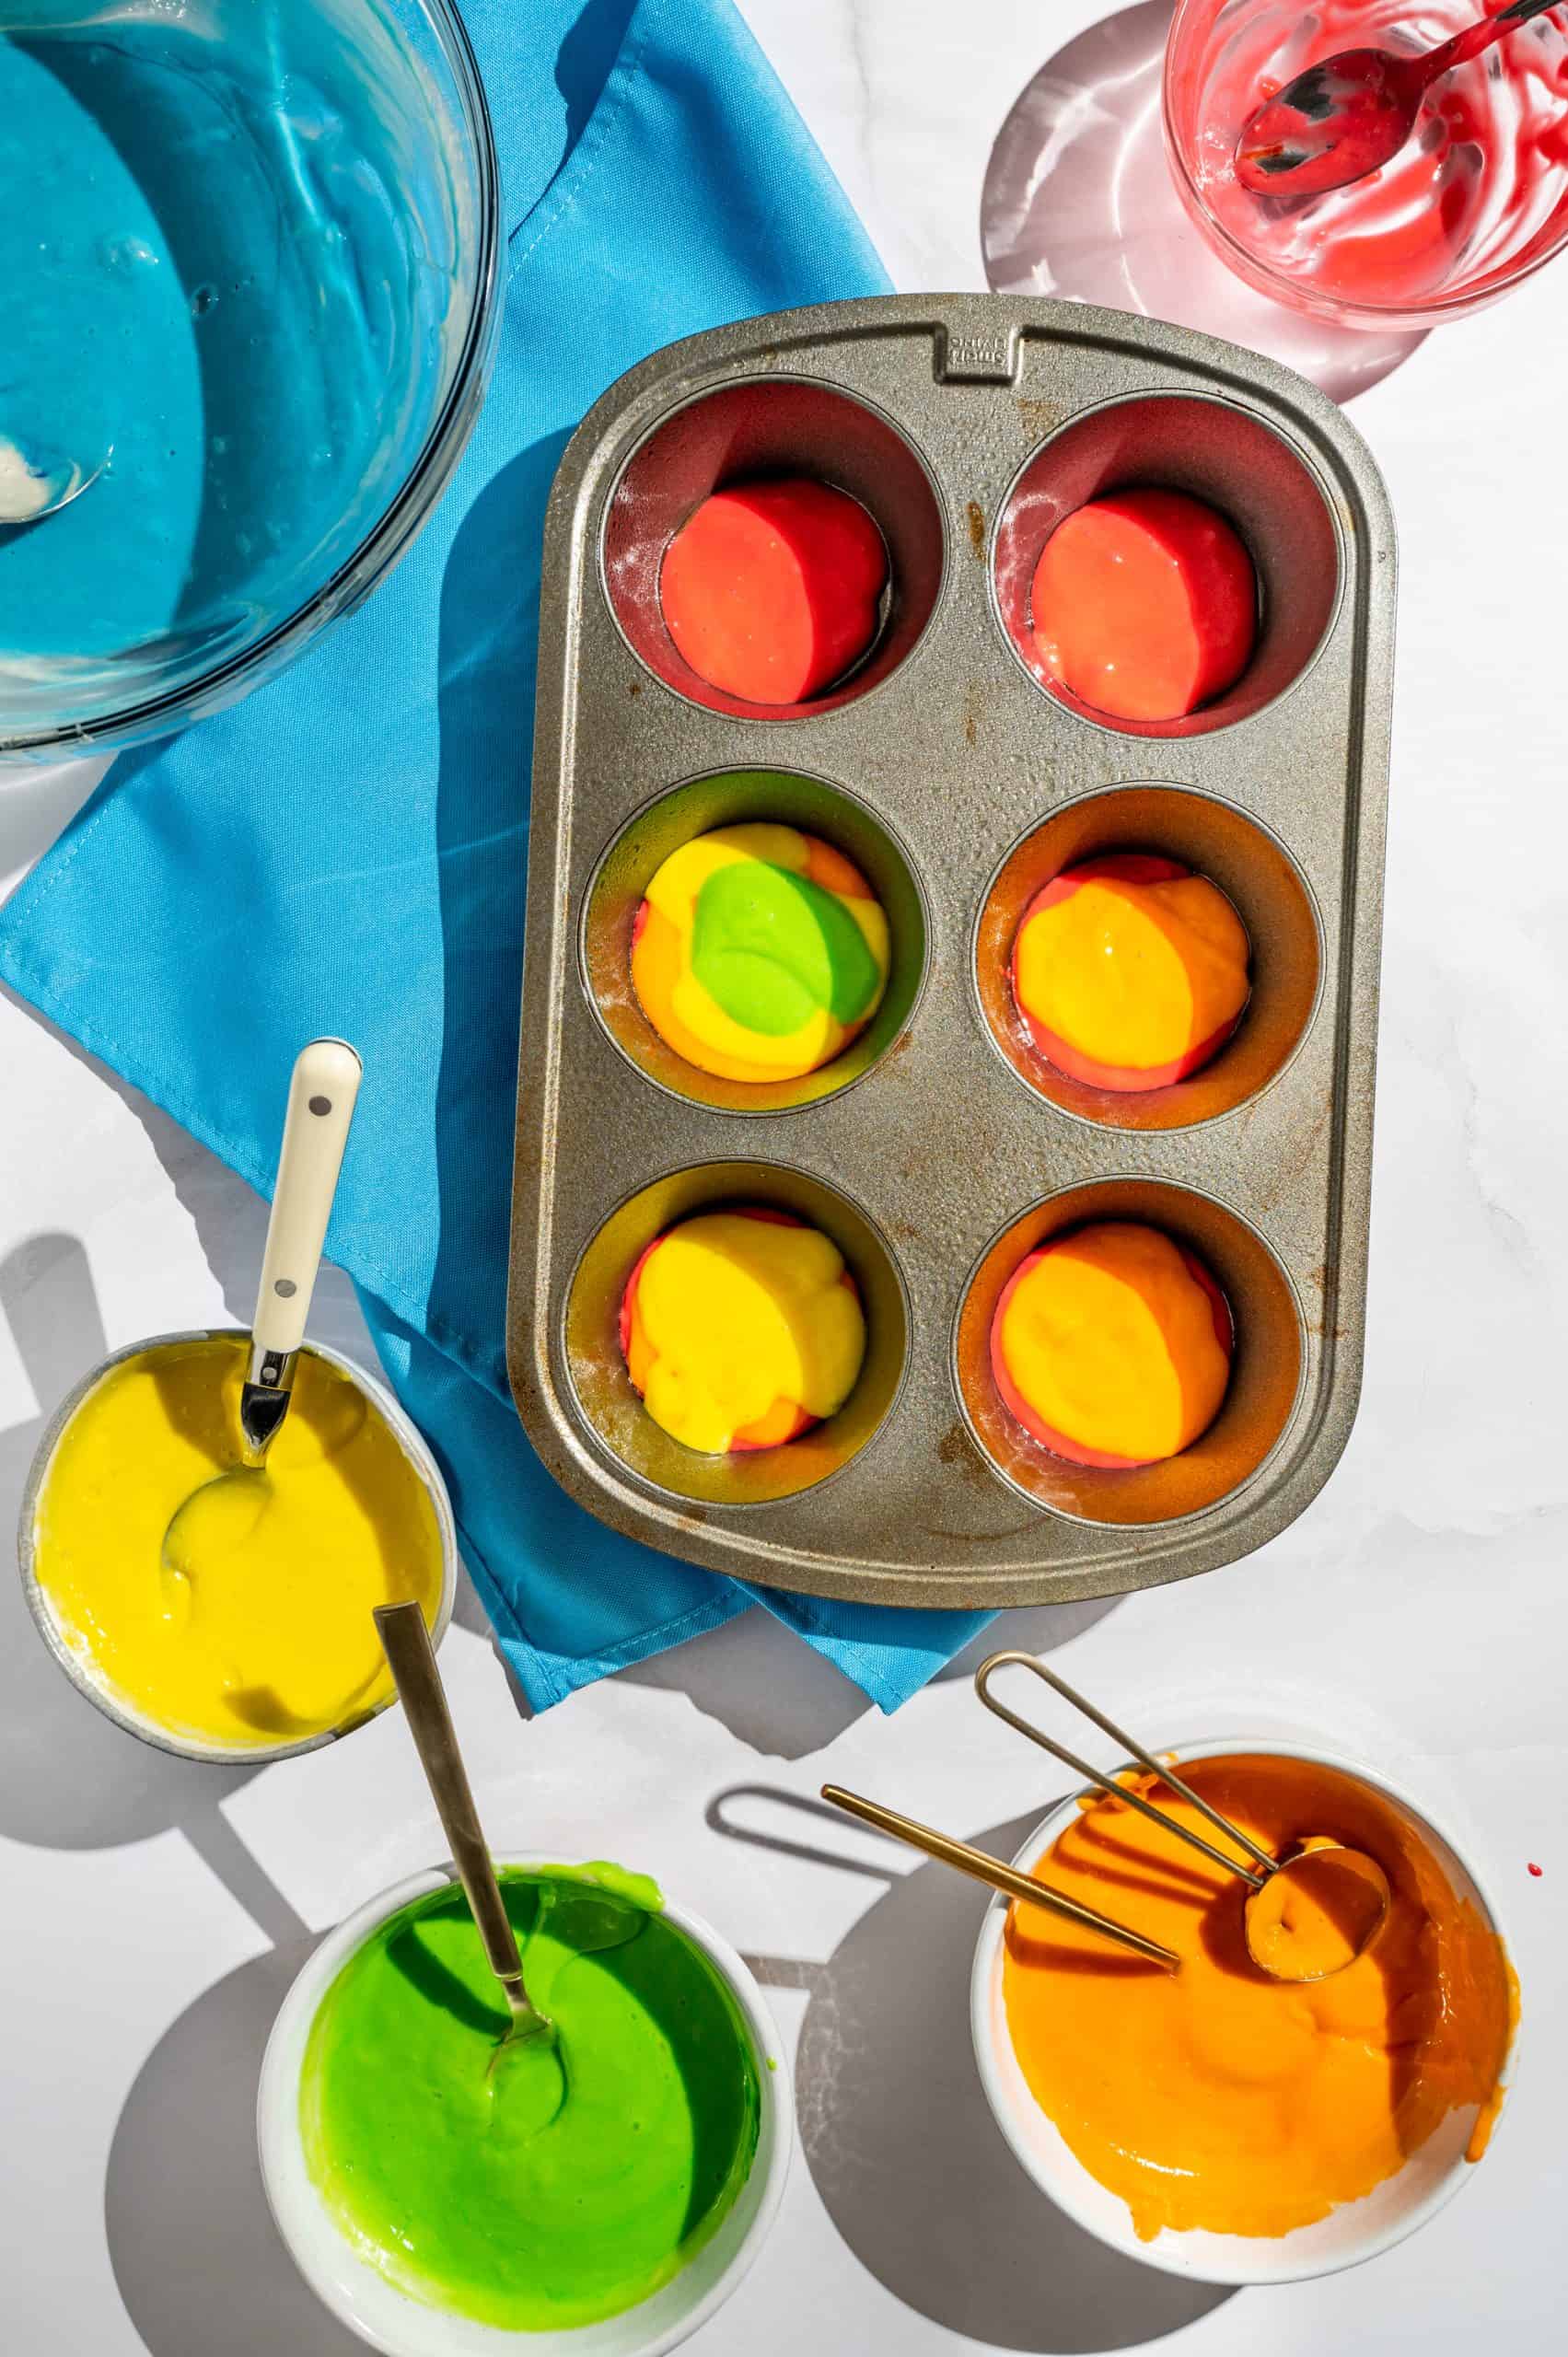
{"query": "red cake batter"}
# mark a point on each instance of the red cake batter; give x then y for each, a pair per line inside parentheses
(770, 589)
(1144, 605)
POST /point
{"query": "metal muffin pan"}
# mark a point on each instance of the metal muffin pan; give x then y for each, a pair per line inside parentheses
(939, 1150)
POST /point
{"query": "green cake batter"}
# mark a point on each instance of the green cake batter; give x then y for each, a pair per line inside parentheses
(575, 2177)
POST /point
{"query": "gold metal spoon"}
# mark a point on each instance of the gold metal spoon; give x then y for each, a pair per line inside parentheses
(1004, 1878)
(1320, 1878)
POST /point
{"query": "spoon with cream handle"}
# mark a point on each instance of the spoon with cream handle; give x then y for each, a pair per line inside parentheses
(1351, 113)
(321, 1098)
(411, 1657)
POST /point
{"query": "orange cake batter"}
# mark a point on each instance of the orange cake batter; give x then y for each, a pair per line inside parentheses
(1215, 2096)
(1112, 1346)
(1130, 971)
(742, 1329)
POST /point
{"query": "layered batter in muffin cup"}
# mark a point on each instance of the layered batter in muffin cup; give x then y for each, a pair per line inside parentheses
(1258, 921)
(669, 1385)
(754, 940)
(1146, 1374)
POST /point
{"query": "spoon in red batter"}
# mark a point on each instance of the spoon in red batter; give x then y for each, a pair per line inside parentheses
(1351, 115)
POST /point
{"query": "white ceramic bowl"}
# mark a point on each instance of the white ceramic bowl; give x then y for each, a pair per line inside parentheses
(401, 2326)
(1354, 2232)
(80, 1670)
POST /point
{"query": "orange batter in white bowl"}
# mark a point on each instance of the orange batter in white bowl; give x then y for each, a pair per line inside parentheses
(1216, 2099)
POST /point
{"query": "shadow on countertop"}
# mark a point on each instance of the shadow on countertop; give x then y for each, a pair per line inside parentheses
(901, 2146)
(1079, 202)
(784, 1701)
(198, 2261)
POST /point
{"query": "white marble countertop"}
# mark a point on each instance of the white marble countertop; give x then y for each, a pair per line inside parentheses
(1416, 1614)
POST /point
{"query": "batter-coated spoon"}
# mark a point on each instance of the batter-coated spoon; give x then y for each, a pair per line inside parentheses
(411, 1657)
(34, 483)
(1307, 1915)
(1350, 114)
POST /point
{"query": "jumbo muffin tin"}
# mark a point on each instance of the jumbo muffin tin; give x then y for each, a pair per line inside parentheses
(939, 1150)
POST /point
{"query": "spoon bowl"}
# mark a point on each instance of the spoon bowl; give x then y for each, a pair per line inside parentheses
(1321, 1908)
(221, 1511)
(1305, 1916)
(35, 485)
(1334, 123)
(1350, 114)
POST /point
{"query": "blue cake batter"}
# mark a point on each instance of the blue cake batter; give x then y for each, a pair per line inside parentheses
(230, 243)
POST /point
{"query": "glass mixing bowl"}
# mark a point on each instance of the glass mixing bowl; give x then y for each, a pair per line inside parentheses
(253, 297)
(1475, 201)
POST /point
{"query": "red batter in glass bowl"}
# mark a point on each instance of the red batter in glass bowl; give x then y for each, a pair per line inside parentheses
(1476, 200)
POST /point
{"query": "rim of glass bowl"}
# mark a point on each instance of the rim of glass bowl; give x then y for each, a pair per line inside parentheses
(406, 513)
(1290, 291)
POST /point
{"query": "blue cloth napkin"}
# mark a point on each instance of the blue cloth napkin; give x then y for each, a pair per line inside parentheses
(346, 852)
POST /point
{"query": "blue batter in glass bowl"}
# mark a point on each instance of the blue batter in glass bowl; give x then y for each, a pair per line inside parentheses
(249, 253)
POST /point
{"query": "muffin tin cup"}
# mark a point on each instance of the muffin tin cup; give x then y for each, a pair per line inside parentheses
(604, 1392)
(1263, 885)
(944, 758)
(757, 428)
(1217, 452)
(733, 797)
(116, 1706)
(1265, 1375)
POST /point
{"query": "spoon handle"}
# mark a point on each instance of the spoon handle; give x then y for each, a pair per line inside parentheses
(1463, 46)
(1160, 1768)
(983, 1867)
(411, 1657)
(321, 1096)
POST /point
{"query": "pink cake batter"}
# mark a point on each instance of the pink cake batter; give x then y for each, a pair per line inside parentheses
(1480, 191)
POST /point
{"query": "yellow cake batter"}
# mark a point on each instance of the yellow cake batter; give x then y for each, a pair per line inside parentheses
(250, 1624)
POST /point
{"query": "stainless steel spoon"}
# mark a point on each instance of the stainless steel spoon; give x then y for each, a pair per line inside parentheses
(1350, 114)
(411, 1657)
(1320, 1877)
(29, 492)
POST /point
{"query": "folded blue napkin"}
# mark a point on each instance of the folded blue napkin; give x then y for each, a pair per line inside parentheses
(346, 852)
